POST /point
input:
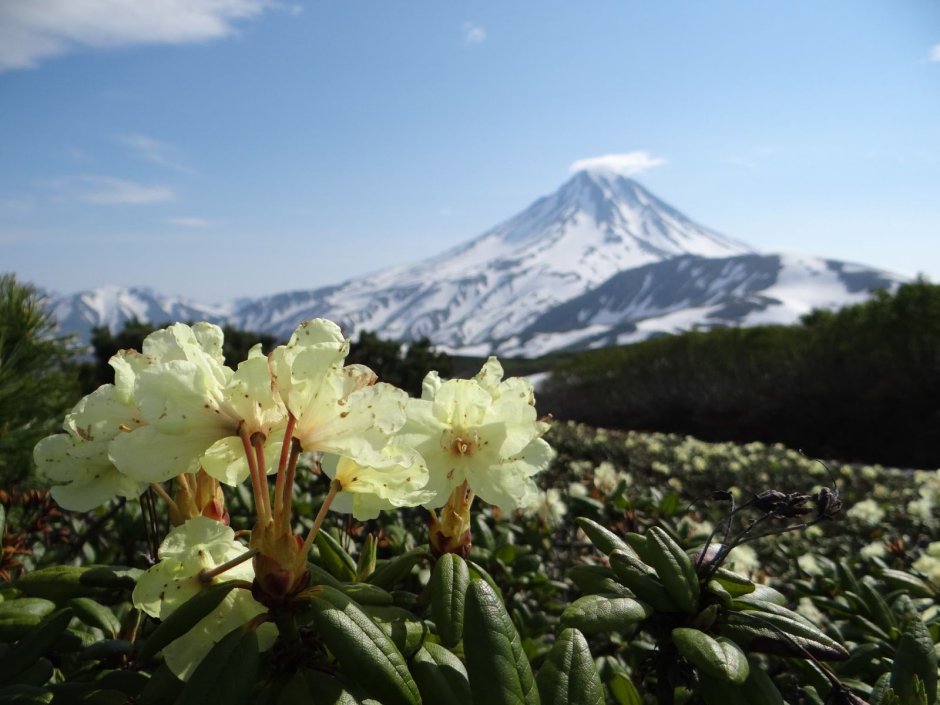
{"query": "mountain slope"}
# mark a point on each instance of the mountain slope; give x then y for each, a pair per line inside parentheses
(113, 306)
(490, 288)
(686, 292)
(600, 261)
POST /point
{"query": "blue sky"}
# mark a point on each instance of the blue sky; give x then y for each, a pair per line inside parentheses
(233, 148)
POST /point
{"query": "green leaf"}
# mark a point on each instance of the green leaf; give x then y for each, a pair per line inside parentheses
(94, 614)
(568, 676)
(366, 563)
(363, 650)
(34, 645)
(899, 579)
(185, 618)
(26, 606)
(441, 676)
(882, 693)
(334, 557)
(771, 633)
(449, 583)
(878, 609)
(499, 671)
(674, 568)
(63, 582)
(736, 585)
(478, 572)
(623, 690)
(389, 574)
(719, 658)
(367, 594)
(604, 540)
(604, 613)
(310, 687)
(590, 578)
(642, 581)
(915, 658)
(227, 673)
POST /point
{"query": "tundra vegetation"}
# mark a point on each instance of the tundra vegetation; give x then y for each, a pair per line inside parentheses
(288, 528)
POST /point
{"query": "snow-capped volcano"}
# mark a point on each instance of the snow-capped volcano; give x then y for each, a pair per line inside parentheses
(561, 246)
(600, 261)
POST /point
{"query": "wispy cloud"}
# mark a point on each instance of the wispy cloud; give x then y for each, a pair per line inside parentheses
(190, 221)
(473, 33)
(154, 151)
(34, 30)
(107, 190)
(935, 52)
(626, 164)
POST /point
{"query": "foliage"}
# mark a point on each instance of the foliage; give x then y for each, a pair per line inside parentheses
(854, 578)
(861, 383)
(402, 365)
(36, 382)
(626, 568)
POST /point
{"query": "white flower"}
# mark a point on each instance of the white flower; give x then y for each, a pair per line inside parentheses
(867, 512)
(576, 489)
(548, 507)
(367, 490)
(78, 462)
(482, 431)
(341, 410)
(199, 544)
(929, 563)
(875, 549)
(193, 408)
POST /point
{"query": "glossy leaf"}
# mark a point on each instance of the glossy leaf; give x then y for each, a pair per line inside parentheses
(363, 650)
(227, 673)
(719, 658)
(497, 666)
(568, 676)
(449, 583)
(604, 613)
(440, 675)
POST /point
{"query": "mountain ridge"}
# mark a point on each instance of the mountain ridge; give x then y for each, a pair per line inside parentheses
(514, 289)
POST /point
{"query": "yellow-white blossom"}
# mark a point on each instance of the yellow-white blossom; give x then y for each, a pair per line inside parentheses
(367, 490)
(868, 512)
(199, 544)
(77, 462)
(193, 408)
(338, 409)
(547, 506)
(483, 431)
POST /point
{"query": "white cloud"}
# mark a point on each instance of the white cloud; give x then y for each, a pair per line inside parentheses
(190, 221)
(473, 33)
(106, 190)
(33, 30)
(935, 52)
(154, 151)
(626, 164)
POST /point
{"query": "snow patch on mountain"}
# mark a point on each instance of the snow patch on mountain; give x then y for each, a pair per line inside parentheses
(601, 261)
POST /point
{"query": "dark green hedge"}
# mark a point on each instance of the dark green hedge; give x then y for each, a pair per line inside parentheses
(860, 384)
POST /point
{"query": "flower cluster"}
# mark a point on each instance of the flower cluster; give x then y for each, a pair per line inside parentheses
(177, 412)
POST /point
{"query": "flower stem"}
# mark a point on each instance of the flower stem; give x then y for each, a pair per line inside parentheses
(288, 489)
(206, 576)
(257, 440)
(158, 488)
(256, 487)
(286, 448)
(335, 487)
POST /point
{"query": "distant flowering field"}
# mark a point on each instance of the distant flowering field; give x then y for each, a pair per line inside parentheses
(296, 530)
